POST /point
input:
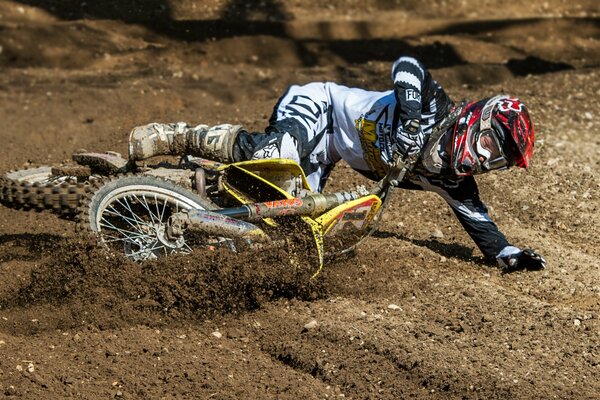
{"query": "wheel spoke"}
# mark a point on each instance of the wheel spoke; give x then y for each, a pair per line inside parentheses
(133, 222)
(124, 232)
(114, 239)
(158, 212)
(187, 247)
(147, 207)
(162, 214)
(133, 214)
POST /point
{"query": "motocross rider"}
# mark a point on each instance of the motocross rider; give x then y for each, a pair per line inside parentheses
(319, 123)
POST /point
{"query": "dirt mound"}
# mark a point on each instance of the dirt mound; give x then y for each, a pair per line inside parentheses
(87, 285)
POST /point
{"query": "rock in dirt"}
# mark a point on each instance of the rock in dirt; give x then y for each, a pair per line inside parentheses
(437, 234)
(311, 325)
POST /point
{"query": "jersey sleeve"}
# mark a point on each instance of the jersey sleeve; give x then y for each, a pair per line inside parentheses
(408, 75)
(463, 198)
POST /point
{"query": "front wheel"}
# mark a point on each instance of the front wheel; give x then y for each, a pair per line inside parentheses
(130, 215)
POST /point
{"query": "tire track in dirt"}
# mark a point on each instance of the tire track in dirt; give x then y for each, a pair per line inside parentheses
(437, 348)
(441, 346)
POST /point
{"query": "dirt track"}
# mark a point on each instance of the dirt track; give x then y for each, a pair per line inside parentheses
(414, 314)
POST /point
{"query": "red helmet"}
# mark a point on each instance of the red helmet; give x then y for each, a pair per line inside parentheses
(490, 134)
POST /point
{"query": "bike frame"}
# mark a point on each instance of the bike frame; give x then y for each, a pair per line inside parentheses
(267, 190)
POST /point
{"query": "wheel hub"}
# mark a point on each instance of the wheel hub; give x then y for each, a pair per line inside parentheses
(152, 244)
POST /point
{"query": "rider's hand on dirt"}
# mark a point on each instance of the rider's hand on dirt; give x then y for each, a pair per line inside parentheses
(524, 260)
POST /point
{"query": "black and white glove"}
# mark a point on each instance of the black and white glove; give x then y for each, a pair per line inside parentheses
(513, 259)
(409, 138)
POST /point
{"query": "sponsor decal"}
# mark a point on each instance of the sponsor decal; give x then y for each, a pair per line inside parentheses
(375, 141)
(357, 215)
(372, 210)
(446, 183)
(413, 95)
(487, 112)
(285, 203)
(267, 152)
(214, 138)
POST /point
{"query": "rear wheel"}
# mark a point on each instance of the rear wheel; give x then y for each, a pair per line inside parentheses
(130, 215)
(39, 188)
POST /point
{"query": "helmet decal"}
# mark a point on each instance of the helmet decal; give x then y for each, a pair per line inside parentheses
(492, 133)
(510, 104)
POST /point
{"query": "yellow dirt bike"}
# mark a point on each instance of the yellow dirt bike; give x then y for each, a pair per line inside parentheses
(146, 212)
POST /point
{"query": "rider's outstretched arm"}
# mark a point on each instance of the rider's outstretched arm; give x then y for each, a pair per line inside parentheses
(422, 103)
(463, 197)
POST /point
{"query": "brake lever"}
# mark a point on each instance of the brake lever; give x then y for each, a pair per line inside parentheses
(402, 164)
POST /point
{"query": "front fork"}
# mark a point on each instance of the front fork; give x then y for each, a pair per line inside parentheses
(212, 223)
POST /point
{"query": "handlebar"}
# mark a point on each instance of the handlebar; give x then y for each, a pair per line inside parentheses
(402, 165)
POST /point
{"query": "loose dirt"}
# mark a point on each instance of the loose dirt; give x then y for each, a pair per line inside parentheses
(415, 313)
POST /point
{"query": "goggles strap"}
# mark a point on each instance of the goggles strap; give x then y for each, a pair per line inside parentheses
(485, 121)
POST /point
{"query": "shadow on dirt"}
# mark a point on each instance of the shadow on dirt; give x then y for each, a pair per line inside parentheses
(131, 11)
(27, 246)
(449, 250)
(239, 18)
(532, 65)
(158, 15)
(272, 10)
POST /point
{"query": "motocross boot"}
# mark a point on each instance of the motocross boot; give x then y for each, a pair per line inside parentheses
(214, 143)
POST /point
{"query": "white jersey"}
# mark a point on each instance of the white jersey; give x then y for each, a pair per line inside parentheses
(349, 123)
(362, 125)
